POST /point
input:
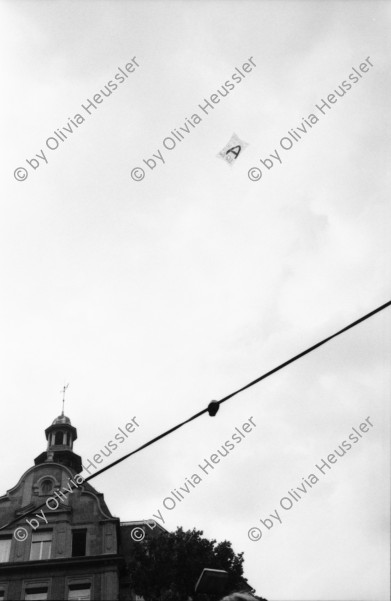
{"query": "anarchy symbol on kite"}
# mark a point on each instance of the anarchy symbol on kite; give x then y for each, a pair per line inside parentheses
(232, 149)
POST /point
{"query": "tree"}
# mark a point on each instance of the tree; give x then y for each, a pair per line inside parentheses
(167, 567)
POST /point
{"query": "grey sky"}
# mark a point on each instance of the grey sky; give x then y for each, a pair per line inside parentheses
(152, 298)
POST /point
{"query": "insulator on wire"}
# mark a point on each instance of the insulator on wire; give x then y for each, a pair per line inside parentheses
(213, 408)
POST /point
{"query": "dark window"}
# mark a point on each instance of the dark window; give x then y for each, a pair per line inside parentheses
(37, 593)
(2, 593)
(47, 487)
(82, 592)
(59, 438)
(79, 538)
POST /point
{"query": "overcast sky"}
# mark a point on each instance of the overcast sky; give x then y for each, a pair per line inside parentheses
(152, 298)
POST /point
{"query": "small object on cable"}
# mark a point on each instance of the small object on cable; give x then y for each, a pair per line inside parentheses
(213, 408)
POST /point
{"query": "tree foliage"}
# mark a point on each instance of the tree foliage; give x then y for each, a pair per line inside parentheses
(167, 567)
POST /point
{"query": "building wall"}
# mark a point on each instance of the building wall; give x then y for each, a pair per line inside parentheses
(83, 508)
(103, 579)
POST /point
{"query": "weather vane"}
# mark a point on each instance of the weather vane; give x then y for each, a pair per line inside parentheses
(64, 389)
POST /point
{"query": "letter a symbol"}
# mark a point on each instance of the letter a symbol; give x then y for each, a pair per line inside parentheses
(234, 152)
(232, 149)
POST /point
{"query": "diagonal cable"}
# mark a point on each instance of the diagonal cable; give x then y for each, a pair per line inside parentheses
(223, 400)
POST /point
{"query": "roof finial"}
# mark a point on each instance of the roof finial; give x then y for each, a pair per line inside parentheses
(63, 396)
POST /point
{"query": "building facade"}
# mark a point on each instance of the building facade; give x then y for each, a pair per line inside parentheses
(69, 546)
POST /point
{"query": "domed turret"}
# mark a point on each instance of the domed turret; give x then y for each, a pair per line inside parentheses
(61, 436)
(61, 433)
(61, 419)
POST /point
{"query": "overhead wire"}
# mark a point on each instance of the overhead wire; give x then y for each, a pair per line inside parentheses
(214, 405)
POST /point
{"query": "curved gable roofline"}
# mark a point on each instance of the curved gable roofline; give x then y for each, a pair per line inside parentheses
(96, 497)
(35, 467)
(95, 494)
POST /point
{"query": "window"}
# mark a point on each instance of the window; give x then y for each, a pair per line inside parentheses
(59, 438)
(82, 592)
(2, 594)
(79, 539)
(46, 487)
(36, 593)
(5, 548)
(41, 546)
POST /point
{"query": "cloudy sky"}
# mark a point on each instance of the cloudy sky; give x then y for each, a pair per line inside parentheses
(154, 297)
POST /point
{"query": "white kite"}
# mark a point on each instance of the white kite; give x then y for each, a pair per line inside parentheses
(232, 149)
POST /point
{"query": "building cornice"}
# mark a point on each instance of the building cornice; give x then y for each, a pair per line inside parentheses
(66, 563)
